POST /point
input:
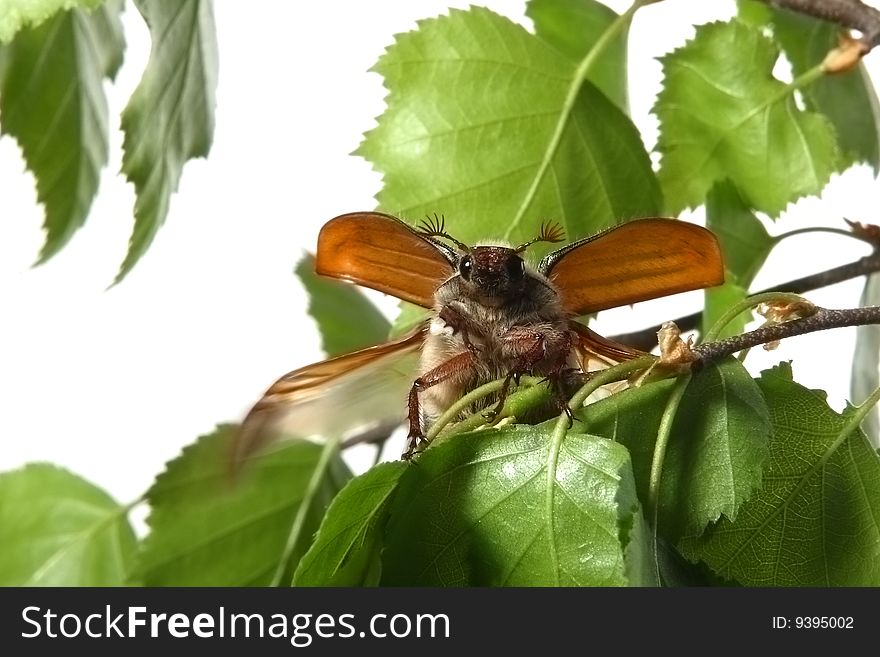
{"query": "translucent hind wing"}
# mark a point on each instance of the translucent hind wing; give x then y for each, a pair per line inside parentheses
(336, 397)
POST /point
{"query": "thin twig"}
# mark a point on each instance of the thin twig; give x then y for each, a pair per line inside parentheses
(376, 435)
(823, 319)
(647, 338)
(852, 14)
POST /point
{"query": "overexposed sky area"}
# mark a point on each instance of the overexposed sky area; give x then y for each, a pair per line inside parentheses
(112, 383)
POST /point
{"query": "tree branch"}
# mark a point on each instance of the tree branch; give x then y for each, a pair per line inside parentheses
(647, 338)
(376, 435)
(852, 14)
(823, 319)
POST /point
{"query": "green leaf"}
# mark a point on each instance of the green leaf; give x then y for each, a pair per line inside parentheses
(815, 520)
(865, 376)
(716, 450)
(745, 244)
(676, 571)
(519, 140)
(346, 318)
(408, 318)
(210, 529)
(573, 27)
(16, 14)
(170, 116)
(52, 102)
(718, 301)
(744, 240)
(640, 564)
(754, 12)
(346, 549)
(723, 115)
(57, 529)
(480, 509)
(847, 99)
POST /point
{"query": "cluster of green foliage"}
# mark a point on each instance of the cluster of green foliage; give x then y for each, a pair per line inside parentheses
(762, 483)
(52, 101)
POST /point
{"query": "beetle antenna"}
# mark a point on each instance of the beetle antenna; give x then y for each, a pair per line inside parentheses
(436, 227)
(550, 232)
(433, 226)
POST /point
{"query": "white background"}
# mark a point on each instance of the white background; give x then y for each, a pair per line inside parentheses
(111, 383)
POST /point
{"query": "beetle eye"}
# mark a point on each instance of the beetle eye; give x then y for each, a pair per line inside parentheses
(515, 268)
(465, 266)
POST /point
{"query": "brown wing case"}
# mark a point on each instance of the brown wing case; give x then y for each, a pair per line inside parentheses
(639, 260)
(381, 252)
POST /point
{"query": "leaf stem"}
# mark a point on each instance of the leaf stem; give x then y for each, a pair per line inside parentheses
(823, 319)
(776, 239)
(805, 79)
(747, 304)
(556, 439)
(331, 447)
(610, 375)
(597, 380)
(664, 433)
(859, 414)
(580, 75)
(462, 405)
(603, 377)
(527, 396)
(128, 507)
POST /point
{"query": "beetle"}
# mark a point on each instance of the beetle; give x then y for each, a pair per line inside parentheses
(493, 316)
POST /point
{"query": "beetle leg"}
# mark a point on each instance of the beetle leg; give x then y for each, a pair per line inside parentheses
(455, 320)
(530, 349)
(453, 367)
(492, 413)
(556, 377)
